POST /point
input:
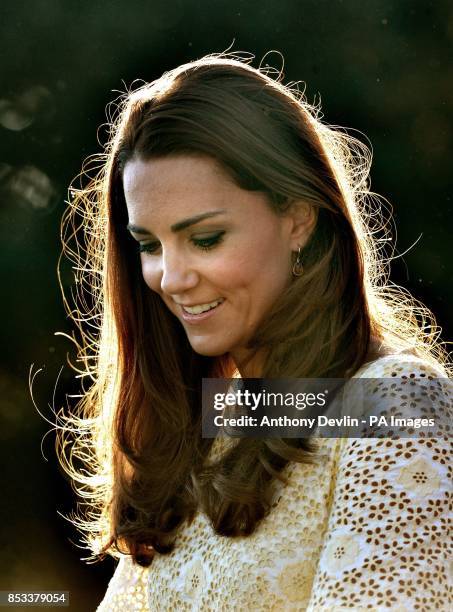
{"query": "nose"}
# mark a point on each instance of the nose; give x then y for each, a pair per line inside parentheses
(177, 274)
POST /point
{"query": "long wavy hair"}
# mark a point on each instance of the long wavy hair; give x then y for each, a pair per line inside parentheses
(133, 444)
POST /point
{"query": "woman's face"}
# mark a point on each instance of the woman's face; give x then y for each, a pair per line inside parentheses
(204, 244)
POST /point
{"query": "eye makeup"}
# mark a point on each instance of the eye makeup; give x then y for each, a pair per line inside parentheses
(204, 243)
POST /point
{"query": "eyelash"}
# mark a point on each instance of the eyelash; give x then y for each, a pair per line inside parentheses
(205, 244)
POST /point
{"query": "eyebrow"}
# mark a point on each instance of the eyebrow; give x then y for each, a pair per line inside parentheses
(177, 227)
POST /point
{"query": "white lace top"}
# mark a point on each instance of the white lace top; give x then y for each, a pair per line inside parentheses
(366, 528)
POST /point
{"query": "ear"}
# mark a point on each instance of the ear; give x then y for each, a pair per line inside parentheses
(302, 217)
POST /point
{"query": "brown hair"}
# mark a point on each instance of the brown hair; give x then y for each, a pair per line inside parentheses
(138, 458)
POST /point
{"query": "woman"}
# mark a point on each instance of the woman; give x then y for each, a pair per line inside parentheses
(231, 233)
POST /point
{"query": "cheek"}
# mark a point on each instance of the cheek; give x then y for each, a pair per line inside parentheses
(269, 260)
(269, 271)
(261, 269)
(151, 273)
(233, 272)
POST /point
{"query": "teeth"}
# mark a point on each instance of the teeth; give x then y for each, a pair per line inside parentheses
(202, 307)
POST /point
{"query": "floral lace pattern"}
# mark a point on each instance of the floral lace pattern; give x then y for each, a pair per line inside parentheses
(365, 528)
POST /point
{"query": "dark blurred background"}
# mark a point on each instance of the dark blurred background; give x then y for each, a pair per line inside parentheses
(382, 67)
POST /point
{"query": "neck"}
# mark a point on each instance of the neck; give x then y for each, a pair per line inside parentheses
(249, 363)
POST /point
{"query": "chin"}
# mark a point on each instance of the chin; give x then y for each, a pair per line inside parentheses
(207, 350)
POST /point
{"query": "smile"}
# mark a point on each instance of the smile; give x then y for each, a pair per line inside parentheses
(202, 307)
(201, 311)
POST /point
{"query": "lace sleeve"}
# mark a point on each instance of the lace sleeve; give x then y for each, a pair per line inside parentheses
(127, 589)
(388, 544)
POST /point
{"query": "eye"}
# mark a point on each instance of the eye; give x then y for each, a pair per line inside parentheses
(204, 243)
(208, 242)
(149, 247)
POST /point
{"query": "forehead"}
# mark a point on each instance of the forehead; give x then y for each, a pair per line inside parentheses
(181, 179)
(165, 191)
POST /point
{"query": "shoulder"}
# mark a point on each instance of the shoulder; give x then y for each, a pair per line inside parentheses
(406, 391)
(399, 364)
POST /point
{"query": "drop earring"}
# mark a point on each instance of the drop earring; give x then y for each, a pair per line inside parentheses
(298, 268)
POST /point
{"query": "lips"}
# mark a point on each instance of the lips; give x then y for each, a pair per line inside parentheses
(201, 316)
(197, 309)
